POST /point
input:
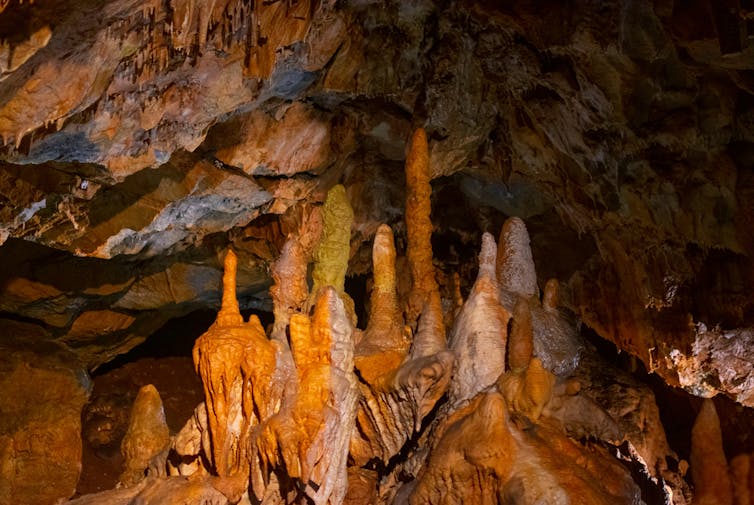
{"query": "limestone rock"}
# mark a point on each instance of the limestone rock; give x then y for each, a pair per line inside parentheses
(40, 429)
(146, 437)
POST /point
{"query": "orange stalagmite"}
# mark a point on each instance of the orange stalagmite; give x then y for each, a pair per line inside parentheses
(520, 342)
(385, 344)
(709, 468)
(424, 297)
(229, 314)
(222, 357)
(385, 327)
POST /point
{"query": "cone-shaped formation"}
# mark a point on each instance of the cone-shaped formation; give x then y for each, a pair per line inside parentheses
(515, 265)
(520, 341)
(290, 291)
(424, 297)
(709, 468)
(385, 344)
(229, 314)
(479, 334)
(538, 386)
(331, 255)
(311, 432)
(385, 327)
(147, 436)
(551, 296)
(221, 357)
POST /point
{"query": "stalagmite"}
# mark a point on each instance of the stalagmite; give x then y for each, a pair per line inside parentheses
(424, 298)
(396, 394)
(290, 289)
(225, 356)
(331, 255)
(385, 327)
(709, 468)
(551, 295)
(384, 345)
(742, 478)
(478, 339)
(312, 430)
(515, 266)
(520, 342)
(147, 436)
(527, 386)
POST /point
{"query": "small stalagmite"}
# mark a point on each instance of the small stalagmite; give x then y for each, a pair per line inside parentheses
(479, 334)
(520, 343)
(709, 468)
(290, 289)
(147, 435)
(515, 266)
(385, 344)
(527, 386)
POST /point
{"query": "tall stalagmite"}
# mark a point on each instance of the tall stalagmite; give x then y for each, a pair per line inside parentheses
(424, 298)
(709, 467)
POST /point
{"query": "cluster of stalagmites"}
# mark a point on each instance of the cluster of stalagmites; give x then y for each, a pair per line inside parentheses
(405, 411)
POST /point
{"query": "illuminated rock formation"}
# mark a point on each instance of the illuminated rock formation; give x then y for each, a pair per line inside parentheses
(424, 297)
(479, 335)
(236, 362)
(147, 435)
(709, 467)
(555, 339)
(333, 250)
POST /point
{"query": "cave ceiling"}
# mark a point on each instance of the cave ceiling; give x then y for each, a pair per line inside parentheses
(141, 139)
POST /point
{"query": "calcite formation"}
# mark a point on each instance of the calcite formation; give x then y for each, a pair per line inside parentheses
(321, 412)
(709, 466)
(143, 139)
(147, 435)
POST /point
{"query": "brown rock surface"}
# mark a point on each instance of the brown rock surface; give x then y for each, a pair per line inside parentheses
(41, 397)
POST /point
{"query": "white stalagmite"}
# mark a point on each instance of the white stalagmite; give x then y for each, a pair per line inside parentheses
(515, 265)
(478, 339)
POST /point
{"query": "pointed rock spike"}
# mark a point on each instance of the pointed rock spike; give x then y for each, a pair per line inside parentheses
(709, 467)
(515, 265)
(521, 339)
(229, 314)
